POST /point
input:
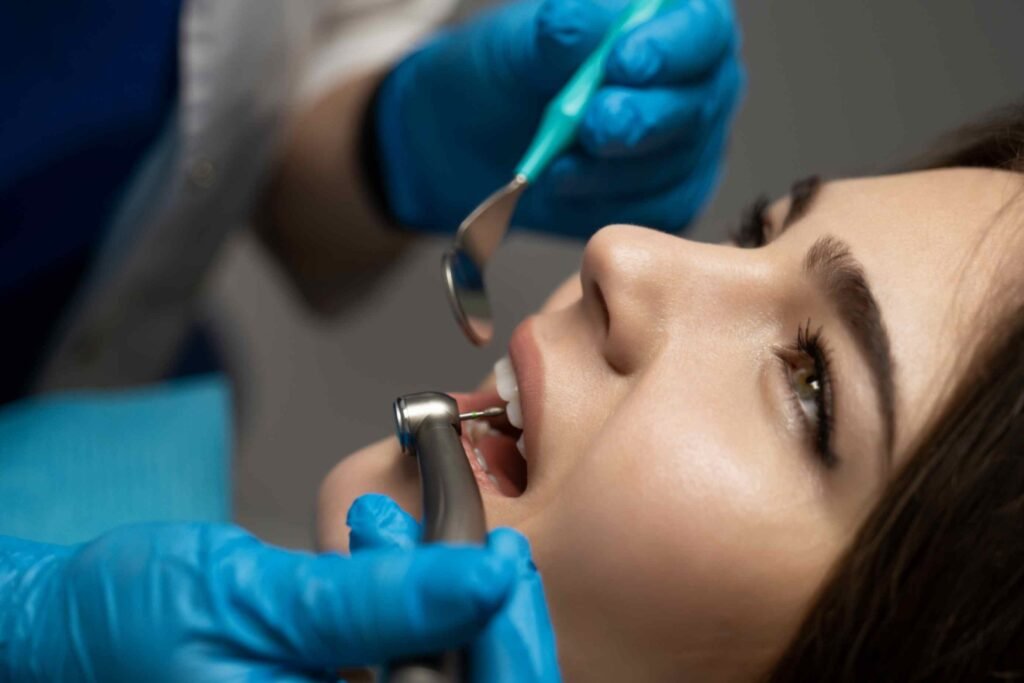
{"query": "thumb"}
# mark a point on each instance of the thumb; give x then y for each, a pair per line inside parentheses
(329, 611)
(519, 645)
(376, 521)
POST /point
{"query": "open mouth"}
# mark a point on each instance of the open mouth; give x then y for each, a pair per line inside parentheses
(495, 448)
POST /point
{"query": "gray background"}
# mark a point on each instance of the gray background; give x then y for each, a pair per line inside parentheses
(838, 88)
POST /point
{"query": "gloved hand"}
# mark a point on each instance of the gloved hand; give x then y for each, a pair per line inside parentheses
(454, 117)
(518, 645)
(194, 602)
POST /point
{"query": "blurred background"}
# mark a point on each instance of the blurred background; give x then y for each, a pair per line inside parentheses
(836, 88)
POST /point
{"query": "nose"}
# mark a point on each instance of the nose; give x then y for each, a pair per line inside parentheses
(640, 286)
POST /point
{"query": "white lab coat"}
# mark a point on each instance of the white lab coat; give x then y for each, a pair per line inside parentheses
(244, 65)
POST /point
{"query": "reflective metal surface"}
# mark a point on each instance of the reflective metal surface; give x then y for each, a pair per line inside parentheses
(412, 410)
(463, 265)
(428, 426)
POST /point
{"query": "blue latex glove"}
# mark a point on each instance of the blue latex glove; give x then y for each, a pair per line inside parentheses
(193, 602)
(454, 117)
(518, 646)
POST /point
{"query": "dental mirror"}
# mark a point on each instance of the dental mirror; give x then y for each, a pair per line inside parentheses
(482, 231)
(463, 264)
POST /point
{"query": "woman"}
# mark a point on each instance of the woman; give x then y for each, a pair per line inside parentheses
(138, 139)
(793, 458)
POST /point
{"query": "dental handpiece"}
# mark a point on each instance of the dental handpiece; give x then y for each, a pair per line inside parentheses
(429, 428)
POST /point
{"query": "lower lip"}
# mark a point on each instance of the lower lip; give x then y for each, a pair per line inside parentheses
(508, 481)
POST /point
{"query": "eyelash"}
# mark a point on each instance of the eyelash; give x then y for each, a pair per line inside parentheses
(753, 229)
(810, 353)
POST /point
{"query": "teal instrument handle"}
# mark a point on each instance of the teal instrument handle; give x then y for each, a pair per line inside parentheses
(563, 114)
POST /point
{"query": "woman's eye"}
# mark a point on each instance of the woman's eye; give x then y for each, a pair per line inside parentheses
(807, 386)
(808, 371)
(753, 228)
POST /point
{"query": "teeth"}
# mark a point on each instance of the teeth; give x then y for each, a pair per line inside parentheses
(514, 413)
(483, 465)
(478, 429)
(508, 389)
(521, 445)
(481, 461)
(505, 378)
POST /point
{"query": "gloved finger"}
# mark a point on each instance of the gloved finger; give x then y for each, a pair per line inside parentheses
(565, 33)
(676, 208)
(680, 46)
(580, 177)
(629, 122)
(626, 122)
(519, 644)
(329, 611)
(239, 669)
(376, 521)
(577, 176)
(669, 210)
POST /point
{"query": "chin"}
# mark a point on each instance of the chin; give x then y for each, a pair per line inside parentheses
(377, 468)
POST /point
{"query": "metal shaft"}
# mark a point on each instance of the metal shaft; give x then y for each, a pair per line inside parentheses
(487, 412)
(428, 426)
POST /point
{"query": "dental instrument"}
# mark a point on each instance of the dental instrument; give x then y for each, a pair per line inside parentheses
(481, 232)
(429, 428)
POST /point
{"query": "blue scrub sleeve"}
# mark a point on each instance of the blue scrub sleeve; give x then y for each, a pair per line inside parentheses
(75, 465)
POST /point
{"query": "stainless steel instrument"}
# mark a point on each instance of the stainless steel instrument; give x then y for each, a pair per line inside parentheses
(480, 234)
(429, 428)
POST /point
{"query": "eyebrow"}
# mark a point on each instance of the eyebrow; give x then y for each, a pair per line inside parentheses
(830, 262)
(841, 276)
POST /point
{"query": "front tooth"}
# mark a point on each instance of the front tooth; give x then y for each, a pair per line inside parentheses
(521, 445)
(476, 430)
(508, 390)
(473, 429)
(514, 413)
(505, 379)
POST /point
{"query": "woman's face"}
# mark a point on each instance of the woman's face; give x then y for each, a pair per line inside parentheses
(706, 426)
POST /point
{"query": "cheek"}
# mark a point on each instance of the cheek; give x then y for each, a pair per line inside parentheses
(684, 531)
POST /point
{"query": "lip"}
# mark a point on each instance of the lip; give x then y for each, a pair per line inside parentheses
(524, 353)
(479, 400)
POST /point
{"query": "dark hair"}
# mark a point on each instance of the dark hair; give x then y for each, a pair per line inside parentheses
(932, 588)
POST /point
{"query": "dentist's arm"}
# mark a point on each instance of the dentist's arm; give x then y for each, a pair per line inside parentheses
(193, 602)
(320, 214)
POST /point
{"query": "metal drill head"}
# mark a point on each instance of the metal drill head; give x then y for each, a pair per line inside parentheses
(412, 410)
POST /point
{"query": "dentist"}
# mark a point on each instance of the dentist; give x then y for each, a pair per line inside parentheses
(138, 136)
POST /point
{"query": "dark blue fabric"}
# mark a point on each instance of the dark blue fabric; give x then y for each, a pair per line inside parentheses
(85, 88)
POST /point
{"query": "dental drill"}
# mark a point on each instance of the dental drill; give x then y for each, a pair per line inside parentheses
(429, 429)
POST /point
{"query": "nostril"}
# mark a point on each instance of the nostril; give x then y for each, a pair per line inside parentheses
(610, 348)
(601, 307)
